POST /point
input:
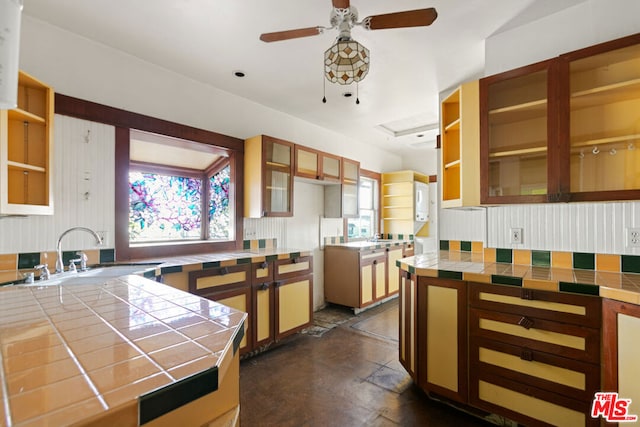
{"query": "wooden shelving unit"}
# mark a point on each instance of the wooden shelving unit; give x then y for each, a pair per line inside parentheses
(398, 202)
(26, 147)
(459, 113)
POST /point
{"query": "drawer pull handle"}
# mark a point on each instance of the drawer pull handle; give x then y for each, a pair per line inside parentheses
(527, 294)
(294, 260)
(264, 286)
(526, 355)
(526, 323)
(223, 271)
(264, 265)
(278, 283)
(375, 261)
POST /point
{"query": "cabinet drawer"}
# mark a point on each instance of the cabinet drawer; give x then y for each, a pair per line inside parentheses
(546, 371)
(262, 272)
(287, 268)
(373, 254)
(527, 404)
(408, 250)
(204, 281)
(580, 310)
(556, 338)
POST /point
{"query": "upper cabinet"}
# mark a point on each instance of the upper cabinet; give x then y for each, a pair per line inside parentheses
(26, 151)
(350, 181)
(517, 133)
(268, 177)
(563, 130)
(314, 164)
(600, 121)
(459, 113)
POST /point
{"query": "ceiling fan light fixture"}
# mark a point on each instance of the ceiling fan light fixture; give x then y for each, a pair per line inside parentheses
(345, 62)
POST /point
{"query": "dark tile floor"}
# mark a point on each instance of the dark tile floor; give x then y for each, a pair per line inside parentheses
(345, 376)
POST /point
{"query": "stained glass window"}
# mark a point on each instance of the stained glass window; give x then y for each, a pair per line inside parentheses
(164, 207)
(219, 216)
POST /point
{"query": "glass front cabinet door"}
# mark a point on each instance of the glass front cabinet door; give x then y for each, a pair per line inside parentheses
(601, 121)
(517, 127)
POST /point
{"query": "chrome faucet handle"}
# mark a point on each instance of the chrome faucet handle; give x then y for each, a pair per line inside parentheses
(72, 264)
(44, 271)
(83, 260)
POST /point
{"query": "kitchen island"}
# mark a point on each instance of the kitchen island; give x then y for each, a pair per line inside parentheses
(128, 352)
(519, 342)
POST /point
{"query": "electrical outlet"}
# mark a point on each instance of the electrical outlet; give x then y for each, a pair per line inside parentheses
(633, 237)
(103, 236)
(516, 236)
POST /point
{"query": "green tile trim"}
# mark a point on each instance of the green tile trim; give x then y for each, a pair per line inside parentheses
(212, 264)
(151, 274)
(246, 244)
(444, 245)
(506, 280)
(541, 258)
(238, 338)
(465, 246)
(30, 260)
(412, 269)
(171, 269)
(447, 274)
(107, 255)
(270, 258)
(293, 255)
(630, 264)
(579, 288)
(584, 261)
(262, 243)
(243, 261)
(163, 400)
(504, 255)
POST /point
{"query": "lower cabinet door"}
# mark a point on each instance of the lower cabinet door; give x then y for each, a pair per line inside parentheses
(240, 299)
(393, 283)
(380, 278)
(442, 332)
(263, 310)
(407, 322)
(293, 305)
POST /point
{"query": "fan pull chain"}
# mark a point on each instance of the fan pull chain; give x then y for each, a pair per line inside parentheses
(324, 90)
(357, 93)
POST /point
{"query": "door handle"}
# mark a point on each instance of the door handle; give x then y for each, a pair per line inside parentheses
(525, 322)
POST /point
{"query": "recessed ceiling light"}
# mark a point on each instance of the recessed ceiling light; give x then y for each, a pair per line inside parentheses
(239, 73)
(347, 94)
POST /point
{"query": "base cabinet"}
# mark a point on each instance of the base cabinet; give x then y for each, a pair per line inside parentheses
(442, 337)
(408, 321)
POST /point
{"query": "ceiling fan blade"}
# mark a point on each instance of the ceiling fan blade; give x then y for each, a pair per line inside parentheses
(340, 4)
(290, 34)
(409, 18)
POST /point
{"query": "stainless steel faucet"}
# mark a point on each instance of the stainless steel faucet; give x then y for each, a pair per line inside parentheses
(59, 262)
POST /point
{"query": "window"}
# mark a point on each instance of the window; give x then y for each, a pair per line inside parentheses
(366, 224)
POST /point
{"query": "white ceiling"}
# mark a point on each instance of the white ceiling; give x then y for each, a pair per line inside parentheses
(207, 40)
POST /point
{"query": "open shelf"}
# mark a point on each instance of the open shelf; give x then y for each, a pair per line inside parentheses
(520, 112)
(605, 141)
(606, 94)
(521, 151)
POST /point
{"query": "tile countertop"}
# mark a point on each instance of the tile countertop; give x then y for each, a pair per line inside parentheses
(76, 352)
(366, 244)
(470, 266)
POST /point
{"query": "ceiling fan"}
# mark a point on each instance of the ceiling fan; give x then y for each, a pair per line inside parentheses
(347, 61)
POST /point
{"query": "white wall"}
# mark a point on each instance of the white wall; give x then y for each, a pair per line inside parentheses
(589, 227)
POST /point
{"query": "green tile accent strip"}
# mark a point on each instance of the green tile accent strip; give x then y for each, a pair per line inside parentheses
(541, 258)
(465, 246)
(579, 288)
(412, 269)
(243, 261)
(151, 274)
(630, 264)
(262, 243)
(30, 260)
(212, 264)
(506, 280)
(293, 255)
(504, 255)
(446, 274)
(171, 269)
(159, 402)
(246, 244)
(584, 261)
(270, 258)
(238, 338)
(107, 255)
(444, 245)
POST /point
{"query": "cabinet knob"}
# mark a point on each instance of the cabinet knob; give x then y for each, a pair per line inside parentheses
(527, 294)
(264, 265)
(525, 322)
(526, 355)
(294, 260)
(375, 261)
(223, 271)
(264, 287)
(277, 283)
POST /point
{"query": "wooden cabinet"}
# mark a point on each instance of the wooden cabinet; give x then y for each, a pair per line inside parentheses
(317, 165)
(408, 321)
(26, 151)
(360, 278)
(600, 107)
(268, 177)
(341, 200)
(282, 299)
(230, 286)
(518, 127)
(460, 136)
(534, 356)
(621, 350)
(442, 337)
(399, 203)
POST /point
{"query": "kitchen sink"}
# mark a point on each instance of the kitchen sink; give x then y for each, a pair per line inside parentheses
(93, 276)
